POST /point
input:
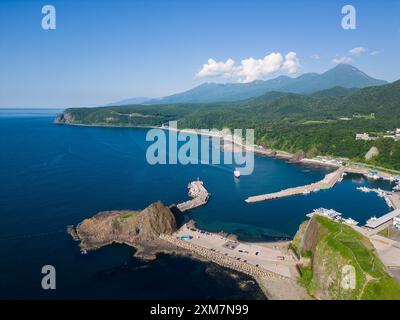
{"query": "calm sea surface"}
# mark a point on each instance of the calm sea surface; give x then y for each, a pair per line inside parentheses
(52, 176)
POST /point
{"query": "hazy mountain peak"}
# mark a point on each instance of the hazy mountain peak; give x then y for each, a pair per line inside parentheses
(342, 75)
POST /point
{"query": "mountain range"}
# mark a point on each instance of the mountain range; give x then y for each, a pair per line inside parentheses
(343, 75)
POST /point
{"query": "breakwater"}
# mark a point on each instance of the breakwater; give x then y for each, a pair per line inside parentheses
(199, 195)
(328, 182)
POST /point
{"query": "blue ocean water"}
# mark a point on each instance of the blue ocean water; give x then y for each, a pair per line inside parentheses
(53, 175)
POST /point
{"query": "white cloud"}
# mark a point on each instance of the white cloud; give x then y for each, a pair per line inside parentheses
(251, 69)
(214, 68)
(291, 64)
(341, 60)
(357, 51)
(374, 53)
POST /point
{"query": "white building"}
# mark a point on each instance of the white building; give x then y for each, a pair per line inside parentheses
(375, 223)
(396, 222)
(364, 136)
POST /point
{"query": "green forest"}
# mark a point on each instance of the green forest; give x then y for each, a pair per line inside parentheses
(324, 123)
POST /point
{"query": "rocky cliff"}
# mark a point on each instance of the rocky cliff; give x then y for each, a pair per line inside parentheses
(64, 118)
(340, 263)
(140, 229)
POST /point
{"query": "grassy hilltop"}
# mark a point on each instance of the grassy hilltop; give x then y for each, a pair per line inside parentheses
(329, 246)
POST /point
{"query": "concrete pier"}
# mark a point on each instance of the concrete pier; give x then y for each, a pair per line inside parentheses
(328, 182)
(394, 198)
(199, 195)
(253, 259)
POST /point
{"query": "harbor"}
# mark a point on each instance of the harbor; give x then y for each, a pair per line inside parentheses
(381, 193)
(199, 195)
(328, 182)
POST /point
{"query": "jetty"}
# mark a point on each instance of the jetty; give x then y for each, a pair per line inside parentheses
(326, 183)
(199, 195)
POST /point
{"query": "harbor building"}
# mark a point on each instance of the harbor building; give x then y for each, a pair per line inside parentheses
(377, 222)
(396, 222)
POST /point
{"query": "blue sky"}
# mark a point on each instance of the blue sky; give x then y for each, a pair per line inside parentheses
(104, 51)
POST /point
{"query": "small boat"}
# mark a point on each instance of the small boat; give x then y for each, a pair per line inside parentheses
(328, 213)
(305, 192)
(372, 176)
(388, 202)
(83, 251)
(364, 189)
(372, 219)
(236, 173)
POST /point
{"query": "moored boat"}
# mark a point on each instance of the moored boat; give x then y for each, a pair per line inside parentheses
(372, 219)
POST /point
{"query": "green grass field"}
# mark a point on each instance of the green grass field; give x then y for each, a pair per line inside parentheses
(343, 243)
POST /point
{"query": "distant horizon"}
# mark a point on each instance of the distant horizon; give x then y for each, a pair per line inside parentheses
(151, 98)
(101, 52)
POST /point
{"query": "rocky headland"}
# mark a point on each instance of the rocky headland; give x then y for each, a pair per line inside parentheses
(139, 229)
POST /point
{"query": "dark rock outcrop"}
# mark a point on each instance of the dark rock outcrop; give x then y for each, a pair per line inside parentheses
(140, 229)
(64, 118)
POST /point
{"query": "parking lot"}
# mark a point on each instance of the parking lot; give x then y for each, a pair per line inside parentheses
(266, 257)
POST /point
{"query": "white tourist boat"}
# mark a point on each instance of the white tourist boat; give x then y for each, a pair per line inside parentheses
(236, 173)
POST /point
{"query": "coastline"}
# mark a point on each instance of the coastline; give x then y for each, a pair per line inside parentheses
(266, 285)
(350, 167)
(150, 252)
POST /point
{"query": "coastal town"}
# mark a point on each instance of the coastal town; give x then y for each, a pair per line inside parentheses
(277, 261)
(200, 157)
(394, 134)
